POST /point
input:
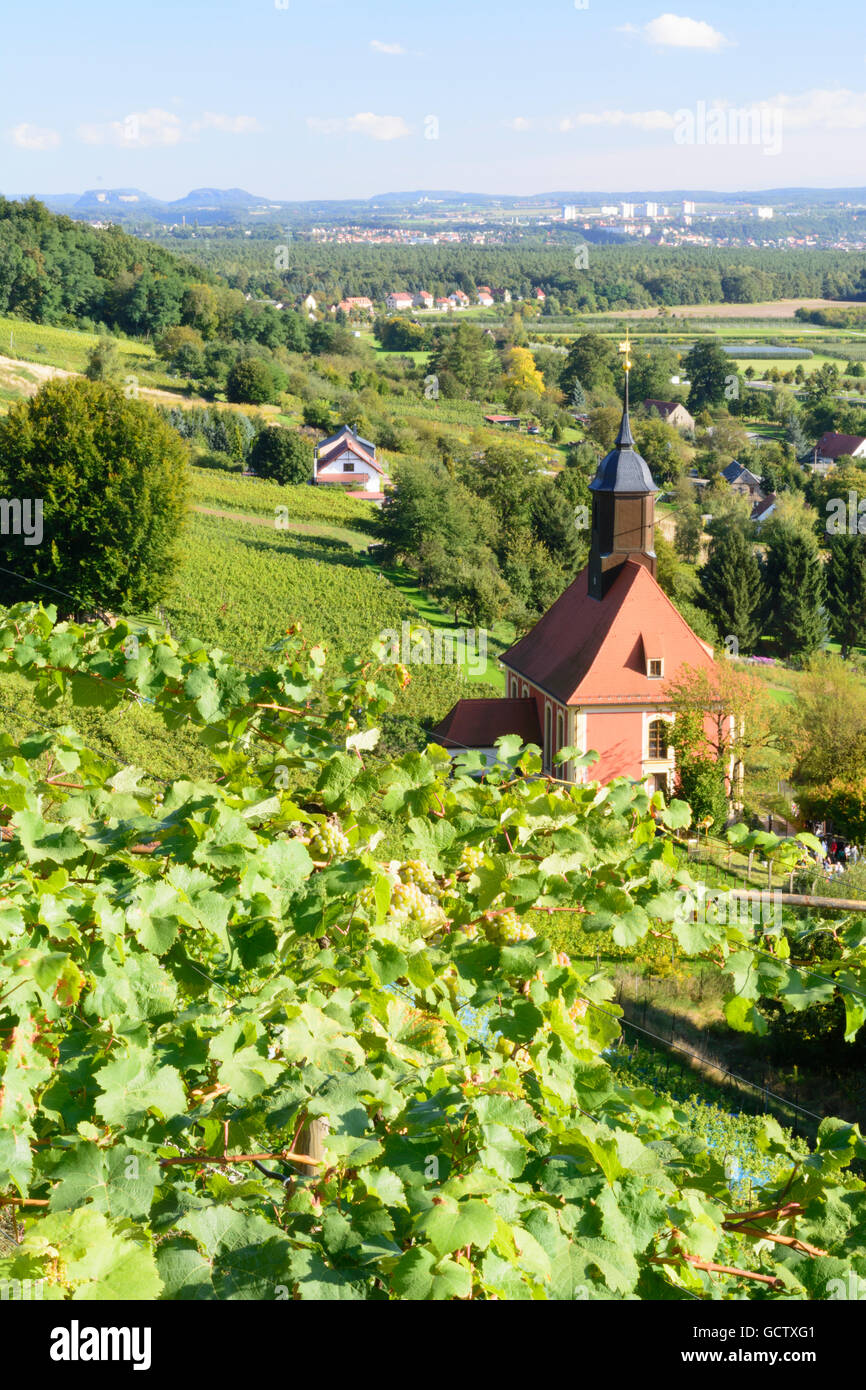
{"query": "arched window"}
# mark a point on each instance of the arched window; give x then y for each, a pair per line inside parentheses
(548, 736)
(560, 738)
(658, 739)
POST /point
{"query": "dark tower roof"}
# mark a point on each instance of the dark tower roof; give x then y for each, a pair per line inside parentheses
(623, 470)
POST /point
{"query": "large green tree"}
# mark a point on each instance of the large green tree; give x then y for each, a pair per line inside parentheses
(592, 362)
(708, 369)
(794, 592)
(845, 575)
(111, 476)
(732, 587)
(283, 455)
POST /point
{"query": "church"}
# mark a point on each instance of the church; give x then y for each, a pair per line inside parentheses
(591, 673)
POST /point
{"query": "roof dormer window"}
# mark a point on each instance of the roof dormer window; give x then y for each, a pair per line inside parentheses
(655, 668)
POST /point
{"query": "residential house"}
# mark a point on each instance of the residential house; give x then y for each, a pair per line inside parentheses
(831, 447)
(398, 300)
(484, 296)
(743, 480)
(673, 413)
(347, 460)
(356, 305)
(501, 296)
(423, 300)
(593, 672)
(540, 296)
(459, 299)
(764, 508)
(443, 305)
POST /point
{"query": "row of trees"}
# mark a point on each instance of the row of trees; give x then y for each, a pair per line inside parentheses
(488, 533)
(615, 276)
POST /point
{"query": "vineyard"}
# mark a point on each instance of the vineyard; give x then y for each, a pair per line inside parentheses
(247, 1056)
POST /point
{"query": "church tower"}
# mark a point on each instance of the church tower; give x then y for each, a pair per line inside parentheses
(623, 508)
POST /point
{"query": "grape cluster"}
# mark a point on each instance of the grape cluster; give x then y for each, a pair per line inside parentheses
(507, 926)
(329, 840)
(407, 900)
(416, 871)
(471, 858)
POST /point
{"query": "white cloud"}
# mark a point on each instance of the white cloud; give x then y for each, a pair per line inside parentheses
(637, 120)
(519, 123)
(822, 109)
(34, 137)
(139, 128)
(364, 123)
(394, 50)
(230, 125)
(677, 31)
(155, 127)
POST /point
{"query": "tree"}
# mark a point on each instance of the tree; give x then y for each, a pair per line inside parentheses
(112, 478)
(553, 523)
(708, 368)
(699, 781)
(251, 381)
(794, 592)
(521, 373)
(688, 531)
(578, 397)
(592, 361)
(845, 576)
(283, 455)
(651, 372)
(103, 361)
(467, 356)
(732, 587)
(827, 723)
(662, 447)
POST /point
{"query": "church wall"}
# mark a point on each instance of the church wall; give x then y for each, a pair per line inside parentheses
(617, 736)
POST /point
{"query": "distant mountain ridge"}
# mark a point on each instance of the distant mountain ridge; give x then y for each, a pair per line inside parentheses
(237, 205)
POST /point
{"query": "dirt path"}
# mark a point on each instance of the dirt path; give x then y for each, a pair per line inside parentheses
(305, 528)
(25, 378)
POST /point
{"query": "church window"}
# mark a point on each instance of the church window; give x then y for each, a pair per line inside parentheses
(658, 739)
(548, 737)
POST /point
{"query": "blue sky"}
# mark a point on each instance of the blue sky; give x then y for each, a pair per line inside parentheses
(332, 98)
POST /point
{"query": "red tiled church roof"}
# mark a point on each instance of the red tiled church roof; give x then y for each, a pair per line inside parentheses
(479, 723)
(585, 650)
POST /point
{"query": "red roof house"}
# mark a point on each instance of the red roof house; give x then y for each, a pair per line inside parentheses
(596, 665)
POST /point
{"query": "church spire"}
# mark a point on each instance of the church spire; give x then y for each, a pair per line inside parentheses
(623, 509)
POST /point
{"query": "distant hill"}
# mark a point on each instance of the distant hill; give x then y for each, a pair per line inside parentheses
(230, 205)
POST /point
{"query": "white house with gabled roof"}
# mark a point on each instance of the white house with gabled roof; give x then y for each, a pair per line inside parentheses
(347, 460)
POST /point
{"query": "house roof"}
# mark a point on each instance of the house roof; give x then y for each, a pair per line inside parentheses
(764, 507)
(623, 469)
(479, 723)
(663, 407)
(586, 650)
(346, 438)
(833, 446)
(400, 294)
(500, 419)
(738, 473)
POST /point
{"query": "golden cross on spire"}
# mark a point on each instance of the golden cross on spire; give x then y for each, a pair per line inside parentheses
(625, 349)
